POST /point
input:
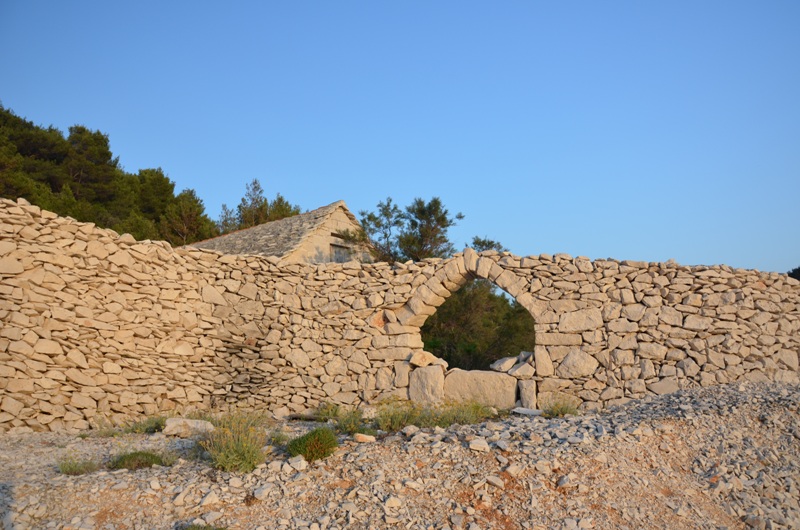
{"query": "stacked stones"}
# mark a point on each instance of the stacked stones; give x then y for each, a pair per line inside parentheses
(97, 326)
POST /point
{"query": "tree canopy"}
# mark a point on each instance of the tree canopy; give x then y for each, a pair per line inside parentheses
(254, 209)
(415, 233)
(794, 273)
(79, 176)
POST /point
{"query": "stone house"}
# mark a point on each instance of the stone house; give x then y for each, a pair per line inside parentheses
(311, 237)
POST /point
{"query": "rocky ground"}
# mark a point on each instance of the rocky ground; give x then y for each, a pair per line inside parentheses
(718, 457)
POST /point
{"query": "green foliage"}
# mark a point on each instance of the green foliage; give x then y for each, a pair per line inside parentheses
(237, 442)
(184, 220)
(147, 426)
(327, 411)
(314, 445)
(476, 326)
(278, 438)
(254, 209)
(392, 416)
(350, 422)
(70, 465)
(78, 176)
(137, 460)
(425, 232)
(416, 233)
(794, 273)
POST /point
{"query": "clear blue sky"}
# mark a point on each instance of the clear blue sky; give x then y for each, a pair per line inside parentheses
(632, 130)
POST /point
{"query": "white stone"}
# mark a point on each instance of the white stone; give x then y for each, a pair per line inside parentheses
(186, 428)
(577, 364)
(488, 388)
(426, 384)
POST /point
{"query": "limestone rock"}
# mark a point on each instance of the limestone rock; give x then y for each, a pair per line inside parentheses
(488, 388)
(504, 364)
(665, 386)
(186, 428)
(542, 362)
(426, 384)
(582, 320)
(527, 393)
(522, 371)
(577, 364)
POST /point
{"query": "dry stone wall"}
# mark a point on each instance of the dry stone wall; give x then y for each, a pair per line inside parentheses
(95, 326)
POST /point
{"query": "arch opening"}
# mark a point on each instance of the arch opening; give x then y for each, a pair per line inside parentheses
(478, 325)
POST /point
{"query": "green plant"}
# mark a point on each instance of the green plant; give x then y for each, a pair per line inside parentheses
(327, 411)
(104, 429)
(314, 445)
(237, 442)
(70, 465)
(558, 407)
(394, 415)
(350, 422)
(278, 438)
(138, 460)
(147, 426)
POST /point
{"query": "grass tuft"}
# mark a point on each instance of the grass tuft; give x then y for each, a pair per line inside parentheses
(327, 411)
(350, 422)
(278, 438)
(559, 408)
(147, 426)
(314, 445)
(138, 460)
(392, 416)
(237, 442)
(73, 466)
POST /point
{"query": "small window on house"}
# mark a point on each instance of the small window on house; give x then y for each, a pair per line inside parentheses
(340, 253)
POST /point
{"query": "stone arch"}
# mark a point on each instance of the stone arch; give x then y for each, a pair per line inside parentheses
(453, 273)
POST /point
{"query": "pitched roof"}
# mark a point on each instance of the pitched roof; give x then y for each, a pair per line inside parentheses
(275, 238)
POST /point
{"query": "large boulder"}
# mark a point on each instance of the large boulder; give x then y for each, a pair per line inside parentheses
(488, 388)
(426, 384)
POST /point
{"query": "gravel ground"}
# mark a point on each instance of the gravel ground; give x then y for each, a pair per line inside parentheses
(717, 457)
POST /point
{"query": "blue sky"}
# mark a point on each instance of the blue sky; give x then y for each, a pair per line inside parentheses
(632, 130)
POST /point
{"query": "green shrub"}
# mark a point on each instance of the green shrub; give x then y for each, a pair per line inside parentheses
(350, 422)
(137, 460)
(237, 441)
(72, 466)
(147, 425)
(314, 445)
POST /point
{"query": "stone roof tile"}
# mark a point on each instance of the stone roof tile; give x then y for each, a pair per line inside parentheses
(275, 238)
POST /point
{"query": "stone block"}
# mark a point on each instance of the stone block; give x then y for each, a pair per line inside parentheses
(503, 365)
(558, 339)
(489, 388)
(522, 371)
(665, 386)
(186, 428)
(577, 364)
(582, 320)
(527, 393)
(426, 384)
(542, 362)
